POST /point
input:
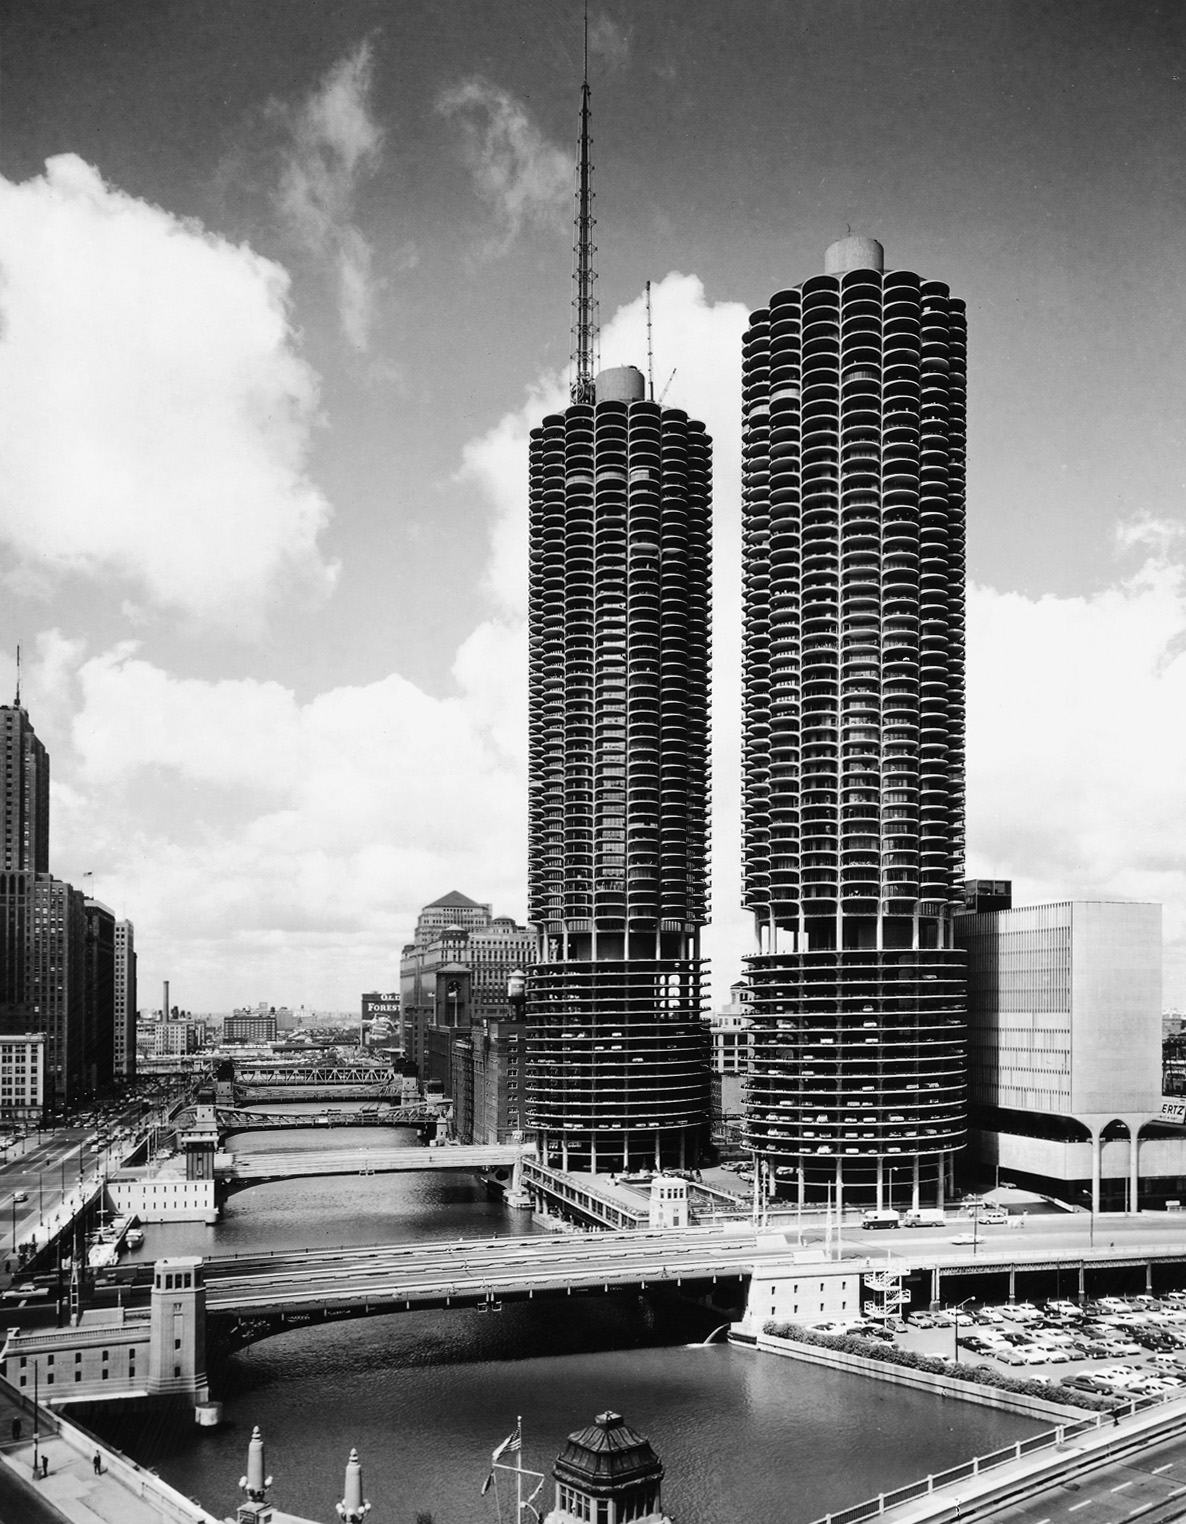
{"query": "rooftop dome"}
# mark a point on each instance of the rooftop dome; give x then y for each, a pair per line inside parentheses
(606, 1457)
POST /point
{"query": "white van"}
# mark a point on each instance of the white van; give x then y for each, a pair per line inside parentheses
(925, 1217)
(885, 1219)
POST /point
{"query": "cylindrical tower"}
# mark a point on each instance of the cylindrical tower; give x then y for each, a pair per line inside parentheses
(620, 494)
(853, 530)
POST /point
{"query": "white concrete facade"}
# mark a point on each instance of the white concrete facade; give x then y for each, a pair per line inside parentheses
(1065, 1023)
(801, 1289)
(22, 1076)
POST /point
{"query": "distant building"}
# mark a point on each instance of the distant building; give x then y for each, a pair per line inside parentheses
(1065, 1050)
(98, 1034)
(456, 972)
(24, 794)
(22, 1077)
(486, 1078)
(731, 1032)
(24, 852)
(251, 1026)
(171, 1038)
(983, 894)
(58, 983)
(124, 1052)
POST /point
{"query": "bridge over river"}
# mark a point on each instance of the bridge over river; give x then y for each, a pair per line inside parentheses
(251, 1297)
(255, 1168)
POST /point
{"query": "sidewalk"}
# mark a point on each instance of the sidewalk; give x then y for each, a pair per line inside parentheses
(71, 1491)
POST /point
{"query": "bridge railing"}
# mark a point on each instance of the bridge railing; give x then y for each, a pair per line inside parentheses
(584, 1197)
(1049, 1439)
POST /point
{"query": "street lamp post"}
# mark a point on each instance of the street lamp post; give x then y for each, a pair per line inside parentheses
(955, 1327)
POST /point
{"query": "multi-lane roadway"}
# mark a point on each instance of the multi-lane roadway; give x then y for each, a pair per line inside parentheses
(473, 1268)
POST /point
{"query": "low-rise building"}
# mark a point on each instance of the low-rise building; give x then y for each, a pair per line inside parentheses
(22, 1077)
(251, 1026)
(1064, 1026)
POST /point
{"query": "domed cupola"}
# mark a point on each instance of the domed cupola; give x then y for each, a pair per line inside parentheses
(607, 1474)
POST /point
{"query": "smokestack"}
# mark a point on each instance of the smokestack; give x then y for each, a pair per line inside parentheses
(165, 1007)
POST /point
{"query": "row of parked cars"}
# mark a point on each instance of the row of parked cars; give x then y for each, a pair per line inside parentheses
(1148, 1329)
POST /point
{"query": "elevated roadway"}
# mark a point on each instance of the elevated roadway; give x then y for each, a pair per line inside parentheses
(254, 1297)
(254, 1169)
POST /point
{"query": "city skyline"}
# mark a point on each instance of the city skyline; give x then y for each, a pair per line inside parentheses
(279, 667)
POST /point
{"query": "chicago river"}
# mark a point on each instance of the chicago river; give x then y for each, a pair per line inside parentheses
(425, 1396)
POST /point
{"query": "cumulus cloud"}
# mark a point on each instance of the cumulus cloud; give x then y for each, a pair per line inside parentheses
(334, 145)
(298, 838)
(154, 410)
(1075, 740)
(521, 177)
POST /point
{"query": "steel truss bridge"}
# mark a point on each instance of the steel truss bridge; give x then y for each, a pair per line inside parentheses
(316, 1082)
(423, 1115)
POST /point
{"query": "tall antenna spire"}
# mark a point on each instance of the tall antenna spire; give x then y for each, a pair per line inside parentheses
(650, 351)
(18, 677)
(584, 328)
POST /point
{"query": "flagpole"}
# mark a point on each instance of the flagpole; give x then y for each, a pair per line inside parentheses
(519, 1472)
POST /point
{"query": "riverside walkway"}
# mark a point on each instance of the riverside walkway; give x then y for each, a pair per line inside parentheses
(1099, 1470)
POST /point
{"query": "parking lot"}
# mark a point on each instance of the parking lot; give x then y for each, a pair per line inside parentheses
(1121, 1347)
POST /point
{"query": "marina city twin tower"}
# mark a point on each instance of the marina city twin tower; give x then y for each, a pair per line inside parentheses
(853, 545)
(853, 512)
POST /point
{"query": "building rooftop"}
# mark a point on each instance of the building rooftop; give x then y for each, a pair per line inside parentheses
(454, 897)
(607, 1456)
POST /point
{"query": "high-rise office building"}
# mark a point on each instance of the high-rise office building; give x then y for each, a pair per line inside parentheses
(24, 792)
(853, 523)
(24, 852)
(620, 525)
(124, 1056)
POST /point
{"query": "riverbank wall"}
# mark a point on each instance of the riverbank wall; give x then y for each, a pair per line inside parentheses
(927, 1381)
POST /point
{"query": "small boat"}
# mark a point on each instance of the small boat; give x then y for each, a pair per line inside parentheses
(134, 1237)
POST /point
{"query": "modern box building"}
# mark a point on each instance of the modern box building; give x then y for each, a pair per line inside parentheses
(620, 532)
(1065, 1043)
(853, 484)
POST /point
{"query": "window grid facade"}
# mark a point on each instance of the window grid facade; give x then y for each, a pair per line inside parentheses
(620, 493)
(853, 543)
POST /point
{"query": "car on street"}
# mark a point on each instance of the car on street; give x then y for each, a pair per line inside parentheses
(20, 1195)
(965, 1238)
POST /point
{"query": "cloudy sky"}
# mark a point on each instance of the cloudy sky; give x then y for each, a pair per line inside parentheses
(283, 285)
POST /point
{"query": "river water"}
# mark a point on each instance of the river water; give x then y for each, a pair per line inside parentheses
(426, 1396)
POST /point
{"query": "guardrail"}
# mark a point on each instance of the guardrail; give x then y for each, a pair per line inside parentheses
(1050, 1439)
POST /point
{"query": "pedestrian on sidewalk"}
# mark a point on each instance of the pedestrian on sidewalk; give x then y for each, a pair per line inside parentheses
(98, 1464)
(16, 1428)
(44, 1467)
